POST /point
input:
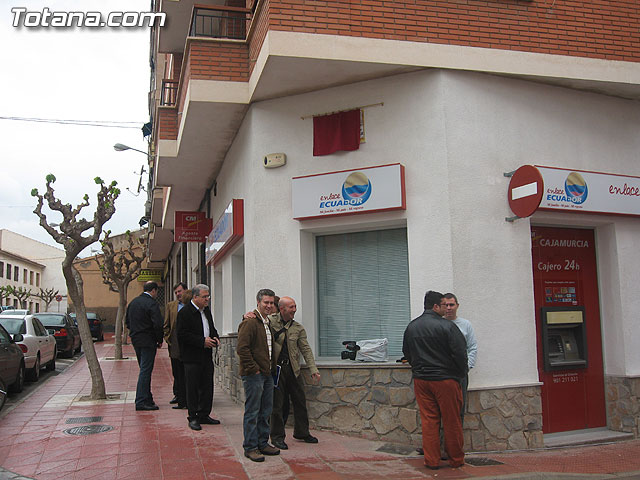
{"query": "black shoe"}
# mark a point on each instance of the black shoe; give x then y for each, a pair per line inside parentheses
(179, 407)
(308, 439)
(280, 444)
(420, 450)
(194, 425)
(209, 421)
(153, 404)
(147, 407)
(174, 400)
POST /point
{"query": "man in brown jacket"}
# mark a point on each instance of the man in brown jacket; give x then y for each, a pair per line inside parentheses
(171, 337)
(256, 364)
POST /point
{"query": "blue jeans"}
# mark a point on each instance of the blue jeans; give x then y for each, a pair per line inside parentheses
(146, 357)
(258, 392)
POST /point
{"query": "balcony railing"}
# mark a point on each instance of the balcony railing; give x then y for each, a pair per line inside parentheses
(169, 93)
(220, 22)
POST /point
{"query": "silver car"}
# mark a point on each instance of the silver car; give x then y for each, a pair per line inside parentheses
(38, 346)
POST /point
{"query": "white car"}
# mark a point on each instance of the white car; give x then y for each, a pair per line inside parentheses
(38, 346)
(13, 311)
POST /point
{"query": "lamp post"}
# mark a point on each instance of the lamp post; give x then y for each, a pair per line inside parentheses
(119, 147)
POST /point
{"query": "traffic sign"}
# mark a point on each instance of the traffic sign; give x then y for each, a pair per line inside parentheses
(525, 191)
(58, 298)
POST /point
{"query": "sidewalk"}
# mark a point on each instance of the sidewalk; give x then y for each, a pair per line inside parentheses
(159, 445)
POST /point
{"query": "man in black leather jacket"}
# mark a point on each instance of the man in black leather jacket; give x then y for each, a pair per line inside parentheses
(144, 321)
(437, 353)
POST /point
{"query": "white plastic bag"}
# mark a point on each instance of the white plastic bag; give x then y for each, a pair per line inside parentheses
(375, 350)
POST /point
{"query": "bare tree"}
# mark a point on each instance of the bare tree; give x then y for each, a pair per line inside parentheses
(4, 293)
(70, 237)
(47, 295)
(21, 293)
(119, 268)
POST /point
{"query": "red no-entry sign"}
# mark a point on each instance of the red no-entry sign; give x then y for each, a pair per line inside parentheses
(525, 190)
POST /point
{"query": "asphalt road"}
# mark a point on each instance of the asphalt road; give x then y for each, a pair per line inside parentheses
(29, 387)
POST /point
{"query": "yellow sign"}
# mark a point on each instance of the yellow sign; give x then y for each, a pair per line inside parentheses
(150, 275)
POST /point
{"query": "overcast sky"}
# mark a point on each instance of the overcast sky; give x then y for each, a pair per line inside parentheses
(79, 74)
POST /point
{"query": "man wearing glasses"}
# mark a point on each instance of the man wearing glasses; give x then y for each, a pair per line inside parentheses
(437, 353)
(197, 336)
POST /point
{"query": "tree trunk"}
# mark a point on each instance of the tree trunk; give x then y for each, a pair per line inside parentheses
(122, 307)
(75, 291)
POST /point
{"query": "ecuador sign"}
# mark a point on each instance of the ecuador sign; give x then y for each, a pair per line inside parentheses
(364, 190)
(573, 190)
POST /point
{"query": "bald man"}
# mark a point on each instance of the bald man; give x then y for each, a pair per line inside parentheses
(290, 340)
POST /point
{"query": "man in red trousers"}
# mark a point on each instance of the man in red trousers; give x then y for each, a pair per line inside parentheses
(437, 353)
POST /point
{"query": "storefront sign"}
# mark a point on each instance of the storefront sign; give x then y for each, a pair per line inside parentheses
(576, 191)
(227, 231)
(191, 227)
(150, 275)
(365, 190)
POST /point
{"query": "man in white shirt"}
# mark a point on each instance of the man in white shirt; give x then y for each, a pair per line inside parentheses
(451, 313)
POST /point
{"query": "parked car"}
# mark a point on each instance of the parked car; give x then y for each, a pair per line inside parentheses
(38, 346)
(14, 311)
(95, 325)
(7, 307)
(11, 365)
(62, 326)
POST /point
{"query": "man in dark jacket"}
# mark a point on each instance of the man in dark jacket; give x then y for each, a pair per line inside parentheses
(197, 336)
(437, 353)
(144, 321)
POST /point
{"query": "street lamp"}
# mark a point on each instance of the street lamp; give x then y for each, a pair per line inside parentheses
(119, 147)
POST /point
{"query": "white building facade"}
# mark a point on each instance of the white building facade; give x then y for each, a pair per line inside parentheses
(556, 349)
(39, 266)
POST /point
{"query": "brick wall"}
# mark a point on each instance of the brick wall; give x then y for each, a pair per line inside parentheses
(167, 123)
(597, 29)
(218, 60)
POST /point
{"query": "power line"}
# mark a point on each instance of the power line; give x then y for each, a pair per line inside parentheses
(87, 123)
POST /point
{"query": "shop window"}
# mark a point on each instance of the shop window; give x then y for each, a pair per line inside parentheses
(363, 289)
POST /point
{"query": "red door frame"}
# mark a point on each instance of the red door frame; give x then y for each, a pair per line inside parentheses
(565, 274)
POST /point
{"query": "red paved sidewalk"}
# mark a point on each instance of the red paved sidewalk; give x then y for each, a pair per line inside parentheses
(159, 445)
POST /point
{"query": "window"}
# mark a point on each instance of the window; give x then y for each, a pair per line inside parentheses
(37, 307)
(39, 328)
(24, 275)
(4, 338)
(1, 269)
(8, 271)
(37, 279)
(16, 273)
(363, 289)
(30, 278)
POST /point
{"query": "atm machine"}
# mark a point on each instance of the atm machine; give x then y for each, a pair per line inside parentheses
(564, 338)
